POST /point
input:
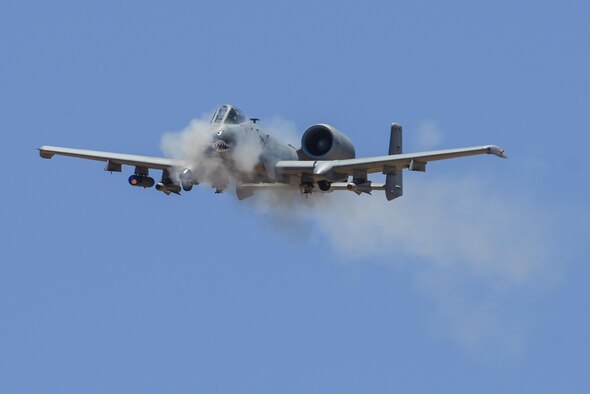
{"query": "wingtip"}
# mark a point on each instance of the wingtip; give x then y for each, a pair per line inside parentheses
(44, 153)
(496, 150)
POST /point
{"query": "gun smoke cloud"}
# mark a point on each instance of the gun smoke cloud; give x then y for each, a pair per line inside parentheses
(471, 252)
(192, 143)
(446, 231)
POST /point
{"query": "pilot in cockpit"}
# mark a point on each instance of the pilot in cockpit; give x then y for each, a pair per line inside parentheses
(235, 116)
(219, 114)
(228, 114)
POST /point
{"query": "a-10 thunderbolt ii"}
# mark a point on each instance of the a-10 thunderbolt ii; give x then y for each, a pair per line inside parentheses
(326, 160)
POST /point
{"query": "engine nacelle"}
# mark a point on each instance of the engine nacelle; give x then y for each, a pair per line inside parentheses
(325, 142)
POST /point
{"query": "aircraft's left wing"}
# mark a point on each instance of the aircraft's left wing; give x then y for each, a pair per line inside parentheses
(113, 160)
(380, 164)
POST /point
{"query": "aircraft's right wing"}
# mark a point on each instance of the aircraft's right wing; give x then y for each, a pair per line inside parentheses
(380, 164)
(113, 159)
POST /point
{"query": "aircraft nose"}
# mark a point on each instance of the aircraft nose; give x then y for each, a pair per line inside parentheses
(221, 146)
(221, 141)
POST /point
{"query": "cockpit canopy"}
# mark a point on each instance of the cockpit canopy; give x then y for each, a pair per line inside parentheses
(228, 114)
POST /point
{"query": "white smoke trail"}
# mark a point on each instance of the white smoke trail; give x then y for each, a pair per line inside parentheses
(468, 249)
(454, 230)
(452, 221)
(282, 129)
(428, 135)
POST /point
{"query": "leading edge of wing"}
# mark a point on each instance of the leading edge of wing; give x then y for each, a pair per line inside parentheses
(379, 163)
(161, 163)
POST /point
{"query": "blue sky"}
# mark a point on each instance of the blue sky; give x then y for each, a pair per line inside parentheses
(476, 280)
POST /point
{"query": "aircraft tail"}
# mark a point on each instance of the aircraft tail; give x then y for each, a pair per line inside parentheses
(394, 182)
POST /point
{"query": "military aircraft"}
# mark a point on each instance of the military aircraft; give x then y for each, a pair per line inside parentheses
(326, 160)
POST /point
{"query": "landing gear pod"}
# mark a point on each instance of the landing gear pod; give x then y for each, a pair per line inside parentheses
(187, 186)
(186, 180)
(324, 185)
(141, 181)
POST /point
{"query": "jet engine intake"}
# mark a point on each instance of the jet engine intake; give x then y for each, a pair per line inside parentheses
(325, 142)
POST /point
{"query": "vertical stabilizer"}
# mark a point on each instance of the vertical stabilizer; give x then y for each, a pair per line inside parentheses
(394, 183)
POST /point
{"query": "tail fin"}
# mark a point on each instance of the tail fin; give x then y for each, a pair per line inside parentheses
(394, 182)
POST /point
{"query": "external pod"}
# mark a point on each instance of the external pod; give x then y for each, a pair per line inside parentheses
(141, 181)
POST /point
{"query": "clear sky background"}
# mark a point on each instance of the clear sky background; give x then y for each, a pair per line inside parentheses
(475, 281)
